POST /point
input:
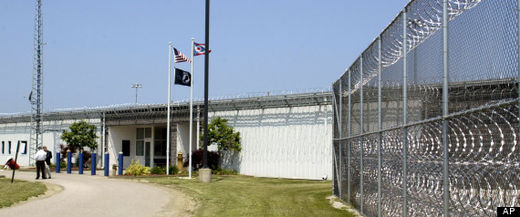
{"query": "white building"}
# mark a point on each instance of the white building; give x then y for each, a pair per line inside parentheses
(287, 136)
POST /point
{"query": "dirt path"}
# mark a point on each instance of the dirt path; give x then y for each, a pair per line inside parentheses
(86, 195)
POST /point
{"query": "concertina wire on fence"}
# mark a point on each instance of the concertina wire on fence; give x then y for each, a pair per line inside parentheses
(426, 120)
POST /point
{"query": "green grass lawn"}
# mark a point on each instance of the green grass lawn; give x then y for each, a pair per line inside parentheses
(249, 196)
(18, 191)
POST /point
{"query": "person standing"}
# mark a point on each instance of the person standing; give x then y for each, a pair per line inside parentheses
(48, 162)
(40, 157)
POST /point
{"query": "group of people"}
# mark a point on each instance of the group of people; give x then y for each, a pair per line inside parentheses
(43, 162)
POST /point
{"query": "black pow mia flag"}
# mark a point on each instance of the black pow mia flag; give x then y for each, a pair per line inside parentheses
(182, 77)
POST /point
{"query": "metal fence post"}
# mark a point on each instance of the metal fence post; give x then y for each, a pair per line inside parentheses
(335, 166)
(518, 65)
(349, 132)
(445, 172)
(379, 127)
(361, 132)
(405, 115)
(340, 132)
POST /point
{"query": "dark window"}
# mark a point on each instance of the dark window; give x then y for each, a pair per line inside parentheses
(9, 150)
(3, 146)
(24, 147)
(159, 146)
(126, 147)
(140, 133)
(148, 133)
(139, 148)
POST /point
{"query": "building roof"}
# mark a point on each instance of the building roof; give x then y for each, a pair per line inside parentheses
(180, 109)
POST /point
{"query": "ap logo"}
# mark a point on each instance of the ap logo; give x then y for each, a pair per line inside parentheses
(508, 211)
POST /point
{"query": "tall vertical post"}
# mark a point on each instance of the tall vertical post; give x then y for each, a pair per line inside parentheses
(168, 109)
(104, 139)
(445, 58)
(405, 118)
(107, 160)
(136, 86)
(206, 84)
(349, 132)
(340, 132)
(37, 82)
(518, 65)
(361, 132)
(80, 163)
(69, 162)
(58, 161)
(16, 160)
(379, 127)
(120, 164)
(198, 127)
(93, 164)
(335, 167)
(191, 109)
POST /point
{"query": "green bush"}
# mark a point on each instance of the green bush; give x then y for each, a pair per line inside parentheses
(158, 170)
(174, 170)
(63, 164)
(221, 171)
(136, 169)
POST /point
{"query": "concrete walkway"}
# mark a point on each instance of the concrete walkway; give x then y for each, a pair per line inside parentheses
(86, 195)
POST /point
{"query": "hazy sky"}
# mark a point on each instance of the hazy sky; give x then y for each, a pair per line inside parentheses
(96, 49)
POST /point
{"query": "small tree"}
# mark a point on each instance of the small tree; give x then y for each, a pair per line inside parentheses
(224, 136)
(81, 135)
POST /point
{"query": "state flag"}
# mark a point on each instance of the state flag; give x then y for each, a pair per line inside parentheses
(199, 49)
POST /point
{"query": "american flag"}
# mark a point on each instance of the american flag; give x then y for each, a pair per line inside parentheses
(179, 57)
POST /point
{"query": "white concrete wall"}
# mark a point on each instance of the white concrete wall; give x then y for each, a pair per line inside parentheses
(116, 135)
(283, 142)
(277, 142)
(183, 135)
(23, 159)
(51, 138)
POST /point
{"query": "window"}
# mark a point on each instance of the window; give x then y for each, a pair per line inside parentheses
(9, 148)
(159, 146)
(3, 146)
(140, 133)
(24, 147)
(126, 147)
(139, 148)
(148, 133)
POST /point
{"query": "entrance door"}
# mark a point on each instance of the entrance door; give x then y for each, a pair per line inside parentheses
(147, 154)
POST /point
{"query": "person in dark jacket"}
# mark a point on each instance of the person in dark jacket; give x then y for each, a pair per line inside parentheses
(48, 162)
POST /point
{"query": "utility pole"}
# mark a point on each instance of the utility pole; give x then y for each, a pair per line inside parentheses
(136, 86)
(206, 80)
(205, 172)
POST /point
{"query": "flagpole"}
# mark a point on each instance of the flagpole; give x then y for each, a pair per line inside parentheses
(198, 127)
(168, 110)
(191, 104)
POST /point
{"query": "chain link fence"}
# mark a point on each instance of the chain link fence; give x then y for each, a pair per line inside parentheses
(426, 120)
